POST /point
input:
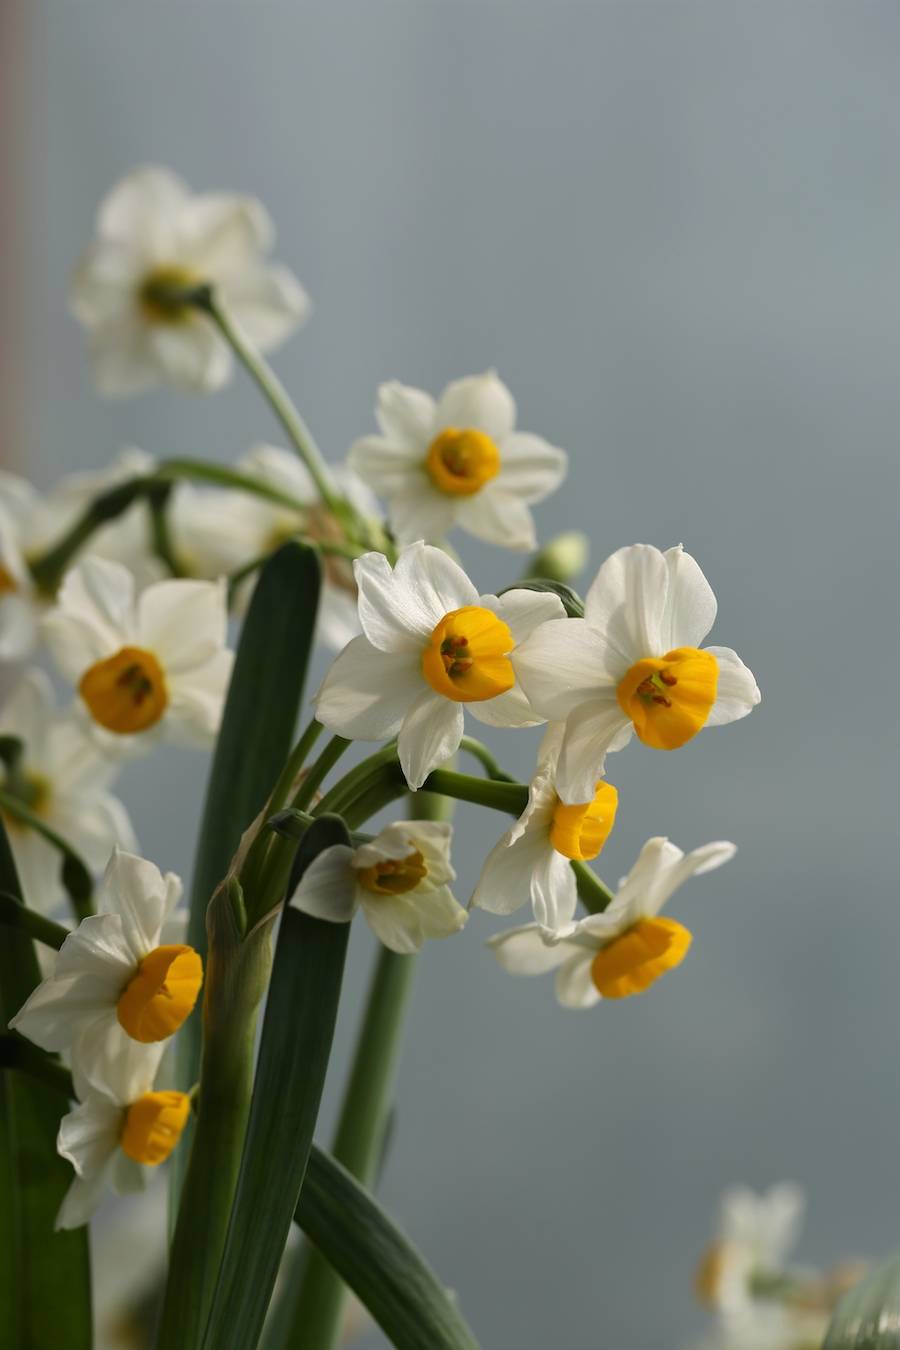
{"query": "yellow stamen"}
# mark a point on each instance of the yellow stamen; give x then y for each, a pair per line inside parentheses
(159, 294)
(669, 698)
(708, 1275)
(467, 658)
(8, 582)
(157, 1000)
(581, 831)
(153, 1126)
(394, 876)
(127, 692)
(636, 959)
(460, 461)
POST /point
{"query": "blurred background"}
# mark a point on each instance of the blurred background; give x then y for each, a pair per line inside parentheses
(673, 227)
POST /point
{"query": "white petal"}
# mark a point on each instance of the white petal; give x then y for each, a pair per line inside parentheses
(574, 986)
(387, 466)
(530, 468)
(432, 583)
(94, 824)
(690, 603)
(192, 355)
(39, 866)
(131, 212)
(268, 303)
(737, 692)
(104, 284)
(183, 622)
(627, 602)
(367, 693)
(561, 665)
(395, 921)
(497, 517)
(127, 1176)
(523, 951)
(390, 611)
(222, 233)
(18, 627)
(431, 732)
(511, 709)
(670, 877)
(106, 1059)
(524, 611)
(554, 894)
(28, 711)
(505, 882)
(406, 415)
(481, 401)
(440, 915)
(592, 731)
(421, 512)
(196, 700)
(137, 891)
(122, 357)
(327, 889)
(101, 593)
(82, 1200)
(89, 1134)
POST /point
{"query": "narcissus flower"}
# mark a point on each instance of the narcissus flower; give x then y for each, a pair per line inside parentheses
(113, 1136)
(633, 664)
(532, 859)
(430, 644)
(457, 461)
(145, 666)
(118, 986)
(20, 601)
(627, 948)
(155, 238)
(62, 777)
(755, 1235)
(399, 881)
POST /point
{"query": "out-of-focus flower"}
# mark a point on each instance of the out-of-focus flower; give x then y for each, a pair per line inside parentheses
(118, 989)
(155, 238)
(61, 777)
(145, 666)
(532, 859)
(562, 557)
(459, 461)
(768, 1326)
(20, 601)
(627, 948)
(632, 665)
(399, 880)
(755, 1235)
(430, 644)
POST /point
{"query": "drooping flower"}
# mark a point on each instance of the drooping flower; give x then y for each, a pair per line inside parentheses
(155, 238)
(627, 948)
(532, 859)
(115, 1135)
(145, 666)
(63, 778)
(430, 644)
(632, 664)
(400, 881)
(120, 984)
(457, 461)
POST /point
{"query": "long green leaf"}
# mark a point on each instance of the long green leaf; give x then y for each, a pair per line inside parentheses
(868, 1317)
(293, 1057)
(45, 1295)
(378, 1262)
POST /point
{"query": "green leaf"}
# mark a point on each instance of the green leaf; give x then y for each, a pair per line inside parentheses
(868, 1317)
(378, 1262)
(45, 1295)
(293, 1056)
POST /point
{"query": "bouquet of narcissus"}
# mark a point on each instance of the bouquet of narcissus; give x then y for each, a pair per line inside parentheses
(131, 1036)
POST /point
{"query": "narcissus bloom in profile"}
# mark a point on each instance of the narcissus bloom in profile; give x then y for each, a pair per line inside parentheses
(155, 238)
(633, 665)
(532, 859)
(430, 644)
(145, 666)
(400, 881)
(627, 948)
(457, 461)
(62, 777)
(755, 1235)
(118, 989)
(114, 1135)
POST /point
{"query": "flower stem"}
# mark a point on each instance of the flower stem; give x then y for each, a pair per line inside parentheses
(14, 915)
(328, 758)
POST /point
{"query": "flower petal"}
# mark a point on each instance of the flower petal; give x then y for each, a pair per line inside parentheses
(523, 951)
(406, 415)
(268, 302)
(327, 889)
(627, 601)
(592, 731)
(737, 693)
(192, 355)
(123, 361)
(554, 894)
(137, 891)
(390, 609)
(421, 512)
(497, 517)
(431, 732)
(574, 986)
(395, 922)
(562, 665)
(524, 611)
(367, 693)
(220, 233)
(440, 914)
(183, 622)
(481, 401)
(530, 467)
(389, 467)
(505, 882)
(690, 610)
(432, 583)
(133, 209)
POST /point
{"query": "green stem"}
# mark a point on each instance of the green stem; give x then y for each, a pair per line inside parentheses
(17, 1053)
(47, 570)
(14, 915)
(163, 545)
(328, 758)
(251, 871)
(75, 875)
(509, 797)
(592, 892)
(485, 758)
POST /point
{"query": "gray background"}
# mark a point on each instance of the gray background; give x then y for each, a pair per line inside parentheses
(673, 228)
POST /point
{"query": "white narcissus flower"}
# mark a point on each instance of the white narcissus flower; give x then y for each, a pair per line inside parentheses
(632, 664)
(767, 1325)
(114, 1136)
(399, 880)
(755, 1235)
(625, 949)
(118, 988)
(154, 237)
(457, 461)
(62, 777)
(145, 666)
(430, 644)
(21, 602)
(532, 859)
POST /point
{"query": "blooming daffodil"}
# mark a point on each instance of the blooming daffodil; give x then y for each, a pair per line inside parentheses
(633, 665)
(625, 949)
(155, 238)
(145, 666)
(458, 461)
(430, 644)
(755, 1235)
(400, 881)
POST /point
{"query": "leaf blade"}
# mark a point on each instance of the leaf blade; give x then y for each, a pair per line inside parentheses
(868, 1316)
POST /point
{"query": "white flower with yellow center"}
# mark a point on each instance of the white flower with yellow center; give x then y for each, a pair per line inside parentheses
(400, 881)
(430, 645)
(633, 665)
(114, 1136)
(532, 860)
(62, 778)
(145, 666)
(755, 1235)
(625, 949)
(457, 461)
(118, 989)
(154, 238)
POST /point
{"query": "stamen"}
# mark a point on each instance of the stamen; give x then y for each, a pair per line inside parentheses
(394, 876)
(467, 658)
(460, 461)
(669, 698)
(126, 693)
